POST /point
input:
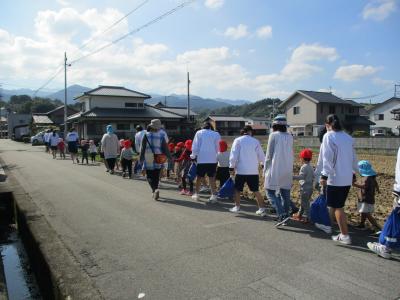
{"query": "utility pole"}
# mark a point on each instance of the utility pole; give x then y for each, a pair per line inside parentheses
(65, 95)
(397, 90)
(188, 96)
(165, 101)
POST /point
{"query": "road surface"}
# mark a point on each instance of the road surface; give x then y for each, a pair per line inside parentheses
(129, 244)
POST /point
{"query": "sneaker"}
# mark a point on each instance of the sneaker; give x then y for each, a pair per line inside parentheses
(342, 239)
(183, 192)
(188, 193)
(261, 212)
(283, 221)
(196, 197)
(235, 209)
(123, 175)
(204, 189)
(112, 172)
(379, 249)
(213, 199)
(324, 228)
(107, 170)
(157, 195)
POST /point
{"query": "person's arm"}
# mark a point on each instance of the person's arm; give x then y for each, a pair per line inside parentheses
(196, 146)
(318, 168)
(360, 186)
(270, 151)
(143, 149)
(328, 155)
(234, 155)
(260, 153)
(165, 149)
(182, 157)
(355, 161)
(102, 144)
(302, 174)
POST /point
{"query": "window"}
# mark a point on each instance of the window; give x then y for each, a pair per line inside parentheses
(131, 105)
(140, 105)
(296, 110)
(332, 109)
(380, 131)
(379, 117)
(123, 126)
(351, 109)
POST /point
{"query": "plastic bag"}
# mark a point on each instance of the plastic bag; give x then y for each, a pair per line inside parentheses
(227, 190)
(319, 211)
(192, 173)
(390, 235)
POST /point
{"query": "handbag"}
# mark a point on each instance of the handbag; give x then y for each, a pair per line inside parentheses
(158, 158)
(192, 173)
(390, 235)
(319, 211)
(228, 189)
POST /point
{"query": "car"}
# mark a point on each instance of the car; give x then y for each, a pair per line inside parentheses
(38, 139)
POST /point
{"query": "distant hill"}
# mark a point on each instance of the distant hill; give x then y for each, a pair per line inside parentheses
(72, 92)
(6, 93)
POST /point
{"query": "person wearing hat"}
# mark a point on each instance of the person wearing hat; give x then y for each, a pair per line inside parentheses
(366, 195)
(72, 140)
(278, 169)
(306, 179)
(110, 147)
(153, 145)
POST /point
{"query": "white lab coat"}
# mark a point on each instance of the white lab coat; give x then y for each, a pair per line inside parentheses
(396, 185)
(246, 155)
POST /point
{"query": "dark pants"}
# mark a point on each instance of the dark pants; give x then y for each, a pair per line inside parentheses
(85, 156)
(93, 156)
(153, 178)
(111, 163)
(184, 185)
(127, 164)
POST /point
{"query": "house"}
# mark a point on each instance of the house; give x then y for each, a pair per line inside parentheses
(381, 114)
(227, 125)
(3, 127)
(260, 125)
(306, 112)
(124, 109)
(18, 125)
(53, 118)
(179, 110)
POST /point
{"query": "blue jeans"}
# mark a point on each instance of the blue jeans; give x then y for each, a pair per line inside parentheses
(281, 202)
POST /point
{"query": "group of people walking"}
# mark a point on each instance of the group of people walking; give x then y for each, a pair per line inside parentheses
(334, 174)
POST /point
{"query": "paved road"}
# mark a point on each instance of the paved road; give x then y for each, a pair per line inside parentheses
(129, 244)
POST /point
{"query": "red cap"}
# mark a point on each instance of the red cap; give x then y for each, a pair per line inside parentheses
(188, 145)
(127, 143)
(171, 147)
(180, 145)
(306, 153)
(223, 146)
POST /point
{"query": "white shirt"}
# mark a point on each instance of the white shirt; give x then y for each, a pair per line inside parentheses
(205, 146)
(396, 185)
(339, 159)
(53, 139)
(46, 137)
(278, 167)
(138, 140)
(246, 155)
(72, 136)
(223, 159)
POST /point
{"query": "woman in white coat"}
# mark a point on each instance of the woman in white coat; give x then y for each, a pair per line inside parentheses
(278, 168)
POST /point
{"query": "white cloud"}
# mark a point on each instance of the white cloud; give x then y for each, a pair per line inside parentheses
(63, 2)
(214, 4)
(383, 82)
(354, 72)
(264, 32)
(237, 32)
(379, 10)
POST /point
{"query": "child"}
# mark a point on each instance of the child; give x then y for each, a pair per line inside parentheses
(126, 158)
(223, 163)
(366, 194)
(92, 151)
(185, 162)
(61, 147)
(171, 147)
(306, 179)
(84, 149)
(177, 165)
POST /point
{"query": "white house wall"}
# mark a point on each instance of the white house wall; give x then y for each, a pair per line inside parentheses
(113, 102)
(388, 117)
(308, 111)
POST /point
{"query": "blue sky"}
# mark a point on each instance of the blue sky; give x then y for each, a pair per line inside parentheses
(233, 49)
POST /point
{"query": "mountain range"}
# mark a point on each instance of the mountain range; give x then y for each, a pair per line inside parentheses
(198, 103)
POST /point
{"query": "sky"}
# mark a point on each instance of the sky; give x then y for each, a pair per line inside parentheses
(233, 49)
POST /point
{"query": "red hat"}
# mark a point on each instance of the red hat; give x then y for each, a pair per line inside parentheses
(306, 153)
(180, 145)
(171, 147)
(127, 143)
(223, 146)
(188, 145)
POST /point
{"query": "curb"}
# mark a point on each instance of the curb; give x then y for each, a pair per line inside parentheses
(58, 273)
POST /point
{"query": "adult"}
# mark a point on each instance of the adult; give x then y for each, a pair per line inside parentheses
(72, 141)
(153, 146)
(396, 185)
(53, 142)
(244, 161)
(204, 150)
(46, 138)
(278, 168)
(110, 148)
(139, 137)
(339, 161)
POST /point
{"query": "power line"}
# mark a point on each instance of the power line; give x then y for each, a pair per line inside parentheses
(136, 30)
(60, 68)
(370, 96)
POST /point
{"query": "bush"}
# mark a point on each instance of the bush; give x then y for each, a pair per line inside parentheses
(360, 134)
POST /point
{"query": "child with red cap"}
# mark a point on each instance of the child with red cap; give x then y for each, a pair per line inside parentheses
(184, 160)
(306, 179)
(171, 148)
(176, 155)
(126, 158)
(223, 163)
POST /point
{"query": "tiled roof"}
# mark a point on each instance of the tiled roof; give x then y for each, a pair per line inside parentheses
(384, 102)
(41, 119)
(264, 119)
(323, 97)
(182, 111)
(114, 91)
(227, 118)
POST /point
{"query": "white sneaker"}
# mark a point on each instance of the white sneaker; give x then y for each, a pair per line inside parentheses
(204, 189)
(346, 240)
(157, 195)
(261, 212)
(213, 199)
(325, 228)
(235, 209)
(379, 249)
(196, 197)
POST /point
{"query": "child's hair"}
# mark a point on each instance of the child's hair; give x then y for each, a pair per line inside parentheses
(83, 142)
(223, 146)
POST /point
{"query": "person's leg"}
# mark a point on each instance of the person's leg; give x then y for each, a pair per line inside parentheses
(157, 178)
(341, 219)
(236, 198)
(363, 218)
(150, 174)
(276, 201)
(129, 165)
(285, 196)
(198, 184)
(191, 186)
(373, 221)
(183, 180)
(212, 185)
(260, 200)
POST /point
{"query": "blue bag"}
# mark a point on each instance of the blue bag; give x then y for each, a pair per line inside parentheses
(319, 211)
(192, 173)
(227, 190)
(137, 168)
(390, 235)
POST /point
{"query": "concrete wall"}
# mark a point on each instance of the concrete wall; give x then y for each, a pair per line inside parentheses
(388, 117)
(308, 111)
